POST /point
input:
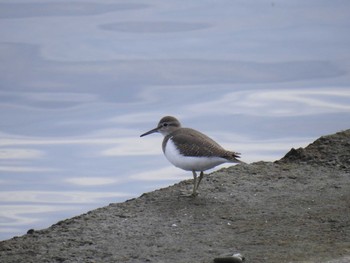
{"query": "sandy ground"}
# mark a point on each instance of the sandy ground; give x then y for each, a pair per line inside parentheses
(294, 210)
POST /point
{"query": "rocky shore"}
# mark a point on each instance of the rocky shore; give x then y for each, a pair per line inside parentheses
(296, 209)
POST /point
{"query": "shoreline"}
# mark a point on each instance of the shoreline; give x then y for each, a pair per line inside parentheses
(293, 210)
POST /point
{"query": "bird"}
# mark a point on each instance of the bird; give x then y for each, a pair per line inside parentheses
(190, 149)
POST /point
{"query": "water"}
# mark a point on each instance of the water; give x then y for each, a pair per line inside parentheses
(80, 81)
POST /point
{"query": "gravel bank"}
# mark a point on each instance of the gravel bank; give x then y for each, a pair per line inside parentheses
(296, 209)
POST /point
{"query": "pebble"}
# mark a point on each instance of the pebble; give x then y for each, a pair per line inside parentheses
(235, 258)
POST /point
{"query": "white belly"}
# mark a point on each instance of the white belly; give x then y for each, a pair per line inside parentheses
(190, 163)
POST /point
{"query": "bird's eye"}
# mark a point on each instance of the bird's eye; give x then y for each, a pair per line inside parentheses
(165, 124)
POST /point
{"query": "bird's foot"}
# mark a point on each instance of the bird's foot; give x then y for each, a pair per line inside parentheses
(187, 195)
(194, 194)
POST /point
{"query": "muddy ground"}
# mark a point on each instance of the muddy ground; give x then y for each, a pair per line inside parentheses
(294, 210)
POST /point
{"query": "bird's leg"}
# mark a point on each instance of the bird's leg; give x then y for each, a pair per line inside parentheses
(199, 179)
(194, 193)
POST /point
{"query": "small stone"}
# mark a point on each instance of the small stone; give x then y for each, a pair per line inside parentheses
(30, 231)
(235, 258)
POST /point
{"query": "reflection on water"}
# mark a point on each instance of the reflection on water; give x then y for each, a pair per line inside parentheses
(79, 82)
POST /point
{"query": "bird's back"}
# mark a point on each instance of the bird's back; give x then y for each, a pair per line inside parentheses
(193, 143)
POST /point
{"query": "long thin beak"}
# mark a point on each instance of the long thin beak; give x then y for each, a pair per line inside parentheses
(149, 132)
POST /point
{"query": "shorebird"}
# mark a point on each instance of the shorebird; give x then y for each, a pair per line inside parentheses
(191, 150)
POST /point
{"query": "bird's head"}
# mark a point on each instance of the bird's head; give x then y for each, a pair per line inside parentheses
(165, 126)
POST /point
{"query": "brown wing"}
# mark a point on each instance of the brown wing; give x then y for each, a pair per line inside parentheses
(194, 143)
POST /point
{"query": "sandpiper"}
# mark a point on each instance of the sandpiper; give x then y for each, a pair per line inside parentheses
(191, 150)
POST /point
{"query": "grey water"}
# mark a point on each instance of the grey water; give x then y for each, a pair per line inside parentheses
(81, 80)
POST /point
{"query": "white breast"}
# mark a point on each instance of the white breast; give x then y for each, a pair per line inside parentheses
(190, 163)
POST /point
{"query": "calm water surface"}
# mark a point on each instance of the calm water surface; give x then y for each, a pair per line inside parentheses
(81, 80)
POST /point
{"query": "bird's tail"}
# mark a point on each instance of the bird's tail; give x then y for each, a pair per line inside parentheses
(232, 157)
